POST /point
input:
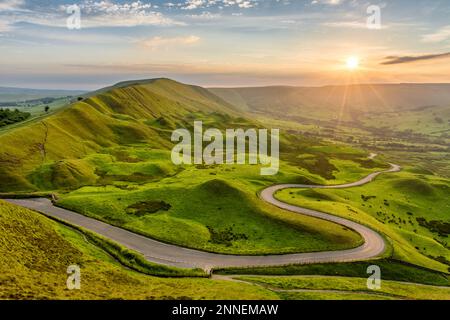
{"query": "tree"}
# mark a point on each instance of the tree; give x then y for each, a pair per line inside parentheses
(47, 108)
(9, 117)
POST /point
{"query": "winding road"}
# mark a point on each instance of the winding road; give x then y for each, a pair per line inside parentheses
(172, 255)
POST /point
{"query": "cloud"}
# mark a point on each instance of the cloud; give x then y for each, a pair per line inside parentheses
(201, 4)
(107, 13)
(351, 25)
(329, 2)
(438, 36)
(104, 13)
(11, 5)
(205, 15)
(156, 43)
(408, 59)
(6, 27)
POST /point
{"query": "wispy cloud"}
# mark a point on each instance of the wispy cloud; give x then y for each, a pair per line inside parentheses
(11, 5)
(104, 13)
(108, 13)
(4, 27)
(438, 36)
(350, 25)
(408, 59)
(156, 43)
(201, 4)
(329, 2)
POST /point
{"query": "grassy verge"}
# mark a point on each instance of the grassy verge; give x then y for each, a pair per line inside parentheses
(343, 286)
(390, 270)
(133, 259)
(25, 195)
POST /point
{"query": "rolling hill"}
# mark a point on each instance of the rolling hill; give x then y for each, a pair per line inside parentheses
(8, 94)
(123, 114)
(108, 157)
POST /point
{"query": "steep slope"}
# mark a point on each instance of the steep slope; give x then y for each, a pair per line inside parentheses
(37, 251)
(127, 113)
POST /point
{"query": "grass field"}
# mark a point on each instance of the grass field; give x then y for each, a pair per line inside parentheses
(427, 120)
(410, 209)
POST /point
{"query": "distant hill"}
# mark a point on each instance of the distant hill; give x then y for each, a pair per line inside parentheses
(328, 102)
(22, 94)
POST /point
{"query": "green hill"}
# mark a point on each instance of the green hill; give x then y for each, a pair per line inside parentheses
(127, 113)
(108, 156)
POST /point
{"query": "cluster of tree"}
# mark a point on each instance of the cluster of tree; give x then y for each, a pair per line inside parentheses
(9, 117)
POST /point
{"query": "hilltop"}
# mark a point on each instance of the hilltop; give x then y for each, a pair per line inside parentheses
(127, 113)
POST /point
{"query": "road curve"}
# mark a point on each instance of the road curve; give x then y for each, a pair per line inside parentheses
(173, 255)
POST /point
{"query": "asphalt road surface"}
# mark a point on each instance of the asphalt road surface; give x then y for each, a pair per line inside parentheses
(172, 255)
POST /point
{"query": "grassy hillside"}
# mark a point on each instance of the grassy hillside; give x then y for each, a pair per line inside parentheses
(37, 251)
(212, 215)
(124, 115)
(53, 152)
(108, 157)
(410, 208)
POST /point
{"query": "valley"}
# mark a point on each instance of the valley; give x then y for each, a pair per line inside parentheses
(108, 157)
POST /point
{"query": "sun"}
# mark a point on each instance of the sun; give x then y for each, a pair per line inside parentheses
(352, 63)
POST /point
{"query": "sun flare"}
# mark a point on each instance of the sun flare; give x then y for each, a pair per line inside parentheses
(352, 63)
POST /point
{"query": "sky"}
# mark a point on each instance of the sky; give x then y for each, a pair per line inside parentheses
(223, 43)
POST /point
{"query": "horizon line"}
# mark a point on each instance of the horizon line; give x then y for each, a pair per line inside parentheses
(225, 87)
